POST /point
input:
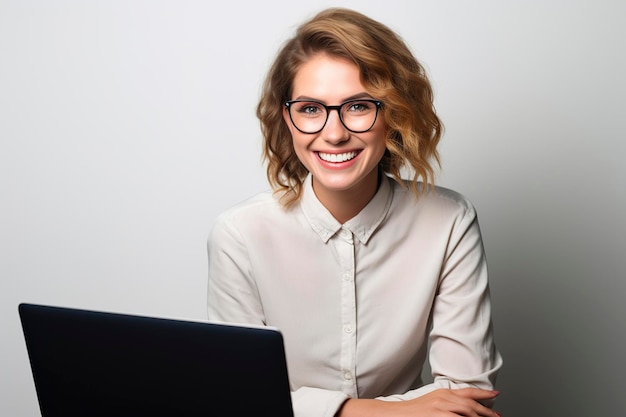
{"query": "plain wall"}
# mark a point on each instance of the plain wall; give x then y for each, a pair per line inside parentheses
(127, 126)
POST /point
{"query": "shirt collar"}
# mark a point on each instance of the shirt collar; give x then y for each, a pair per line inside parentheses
(362, 226)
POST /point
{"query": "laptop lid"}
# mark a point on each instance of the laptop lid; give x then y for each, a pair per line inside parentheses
(89, 363)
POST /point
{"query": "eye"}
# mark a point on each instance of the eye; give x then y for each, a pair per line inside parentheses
(309, 108)
(359, 106)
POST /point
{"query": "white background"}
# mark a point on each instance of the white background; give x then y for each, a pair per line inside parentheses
(127, 126)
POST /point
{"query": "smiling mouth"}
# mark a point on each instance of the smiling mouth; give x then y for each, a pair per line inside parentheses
(337, 157)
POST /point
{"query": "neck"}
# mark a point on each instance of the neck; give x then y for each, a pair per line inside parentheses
(345, 204)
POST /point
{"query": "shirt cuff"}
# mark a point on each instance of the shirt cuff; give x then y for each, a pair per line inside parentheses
(316, 402)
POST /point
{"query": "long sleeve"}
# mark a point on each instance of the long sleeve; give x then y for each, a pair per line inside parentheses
(462, 349)
(232, 293)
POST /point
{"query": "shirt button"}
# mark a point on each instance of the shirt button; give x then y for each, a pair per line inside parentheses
(347, 329)
(347, 376)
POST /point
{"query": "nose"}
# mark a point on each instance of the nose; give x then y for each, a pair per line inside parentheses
(334, 131)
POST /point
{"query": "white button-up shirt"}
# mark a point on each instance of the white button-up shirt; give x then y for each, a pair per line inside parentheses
(360, 303)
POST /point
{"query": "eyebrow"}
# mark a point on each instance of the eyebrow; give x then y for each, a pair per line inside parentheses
(353, 97)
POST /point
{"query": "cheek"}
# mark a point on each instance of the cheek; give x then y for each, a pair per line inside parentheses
(381, 152)
(379, 133)
(379, 140)
(299, 143)
(300, 148)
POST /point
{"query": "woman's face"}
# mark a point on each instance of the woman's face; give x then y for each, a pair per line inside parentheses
(339, 160)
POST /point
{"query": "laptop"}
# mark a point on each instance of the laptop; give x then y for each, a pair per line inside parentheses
(92, 363)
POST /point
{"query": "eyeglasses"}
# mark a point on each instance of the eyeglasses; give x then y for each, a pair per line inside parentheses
(310, 116)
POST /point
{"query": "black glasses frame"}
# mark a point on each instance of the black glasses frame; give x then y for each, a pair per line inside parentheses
(328, 109)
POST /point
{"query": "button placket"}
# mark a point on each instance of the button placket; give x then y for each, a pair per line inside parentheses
(345, 249)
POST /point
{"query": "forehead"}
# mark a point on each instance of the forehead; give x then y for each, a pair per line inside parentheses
(328, 79)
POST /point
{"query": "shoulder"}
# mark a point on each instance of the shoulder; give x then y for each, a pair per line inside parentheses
(436, 212)
(252, 215)
(261, 207)
(437, 209)
(436, 199)
(250, 207)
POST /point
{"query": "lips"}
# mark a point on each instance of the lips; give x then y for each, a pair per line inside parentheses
(337, 157)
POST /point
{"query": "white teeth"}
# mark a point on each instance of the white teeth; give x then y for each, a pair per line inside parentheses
(336, 157)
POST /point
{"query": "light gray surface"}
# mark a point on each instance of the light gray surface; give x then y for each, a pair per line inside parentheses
(127, 126)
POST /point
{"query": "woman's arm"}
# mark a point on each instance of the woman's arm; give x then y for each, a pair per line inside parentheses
(232, 294)
(438, 403)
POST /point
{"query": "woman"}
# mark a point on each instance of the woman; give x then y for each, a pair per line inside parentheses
(361, 270)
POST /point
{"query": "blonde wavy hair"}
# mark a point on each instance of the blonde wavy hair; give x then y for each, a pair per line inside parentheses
(389, 72)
